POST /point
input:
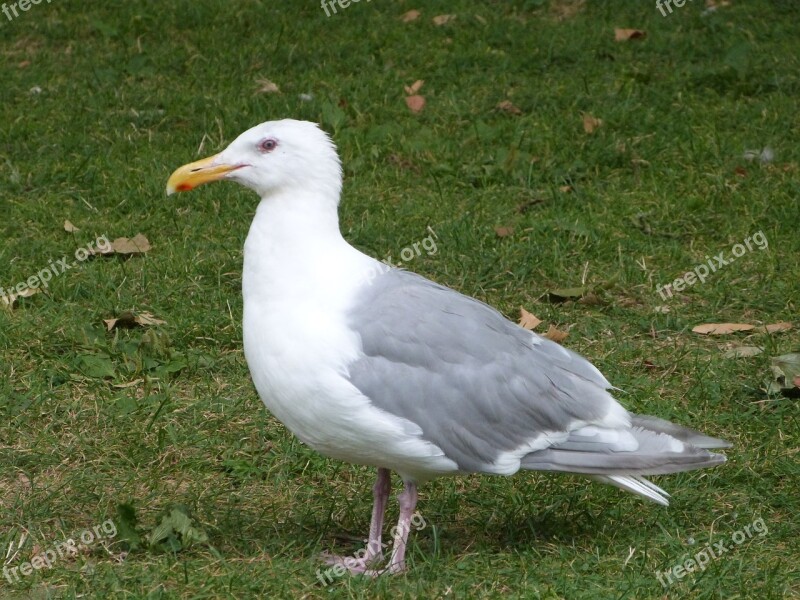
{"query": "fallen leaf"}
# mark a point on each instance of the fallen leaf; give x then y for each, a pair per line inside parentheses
(743, 352)
(265, 86)
(130, 384)
(555, 335)
(129, 319)
(528, 320)
(785, 374)
(415, 103)
(590, 123)
(23, 64)
(9, 300)
(414, 87)
(508, 106)
(565, 189)
(69, 227)
(566, 9)
(721, 328)
(443, 19)
(740, 171)
(504, 231)
(138, 244)
(411, 15)
(776, 327)
(564, 294)
(623, 35)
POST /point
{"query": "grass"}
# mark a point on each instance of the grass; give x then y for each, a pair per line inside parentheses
(129, 92)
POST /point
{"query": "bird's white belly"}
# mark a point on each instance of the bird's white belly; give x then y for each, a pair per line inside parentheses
(299, 365)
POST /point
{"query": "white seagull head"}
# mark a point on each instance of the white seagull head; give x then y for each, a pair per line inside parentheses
(269, 158)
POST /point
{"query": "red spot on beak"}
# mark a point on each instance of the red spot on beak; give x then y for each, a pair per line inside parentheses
(184, 187)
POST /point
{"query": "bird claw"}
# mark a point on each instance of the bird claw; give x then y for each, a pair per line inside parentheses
(361, 566)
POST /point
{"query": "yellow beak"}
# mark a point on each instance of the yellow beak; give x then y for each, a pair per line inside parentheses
(197, 173)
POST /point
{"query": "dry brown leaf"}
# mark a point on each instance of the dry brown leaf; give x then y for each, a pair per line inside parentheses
(743, 352)
(504, 231)
(128, 319)
(590, 123)
(411, 15)
(566, 9)
(565, 188)
(8, 301)
(623, 35)
(721, 328)
(555, 335)
(528, 320)
(508, 106)
(776, 327)
(443, 19)
(265, 86)
(415, 103)
(69, 227)
(138, 244)
(130, 384)
(414, 87)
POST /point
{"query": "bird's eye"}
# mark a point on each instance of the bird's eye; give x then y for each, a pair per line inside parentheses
(267, 145)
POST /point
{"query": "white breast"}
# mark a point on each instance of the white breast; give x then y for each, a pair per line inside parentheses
(298, 345)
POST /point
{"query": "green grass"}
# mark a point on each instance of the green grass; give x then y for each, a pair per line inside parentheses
(132, 90)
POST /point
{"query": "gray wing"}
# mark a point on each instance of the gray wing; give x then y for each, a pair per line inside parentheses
(477, 384)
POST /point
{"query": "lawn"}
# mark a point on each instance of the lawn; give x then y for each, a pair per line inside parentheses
(548, 156)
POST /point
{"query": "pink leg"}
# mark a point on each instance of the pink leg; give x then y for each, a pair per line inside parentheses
(408, 502)
(358, 563)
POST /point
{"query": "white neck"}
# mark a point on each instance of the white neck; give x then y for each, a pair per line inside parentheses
(295, 251)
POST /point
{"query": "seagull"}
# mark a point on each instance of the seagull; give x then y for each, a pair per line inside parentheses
(379, 366)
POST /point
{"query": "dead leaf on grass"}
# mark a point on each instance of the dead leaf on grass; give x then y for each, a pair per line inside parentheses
(564, 294)
(555, 335)
(129, 319)
(528, 320)
(508, 106)
(785, 375)
(565, 189)
(591, 123)
(8, 301)
(504, 231)
(409, 16)
(138, 244)
(776, 327)
(726, 328)
(623, 35)
(415, 103)
(440, 20)
(265, 86)
(414, 87)
(721, 328)
(743, 352)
